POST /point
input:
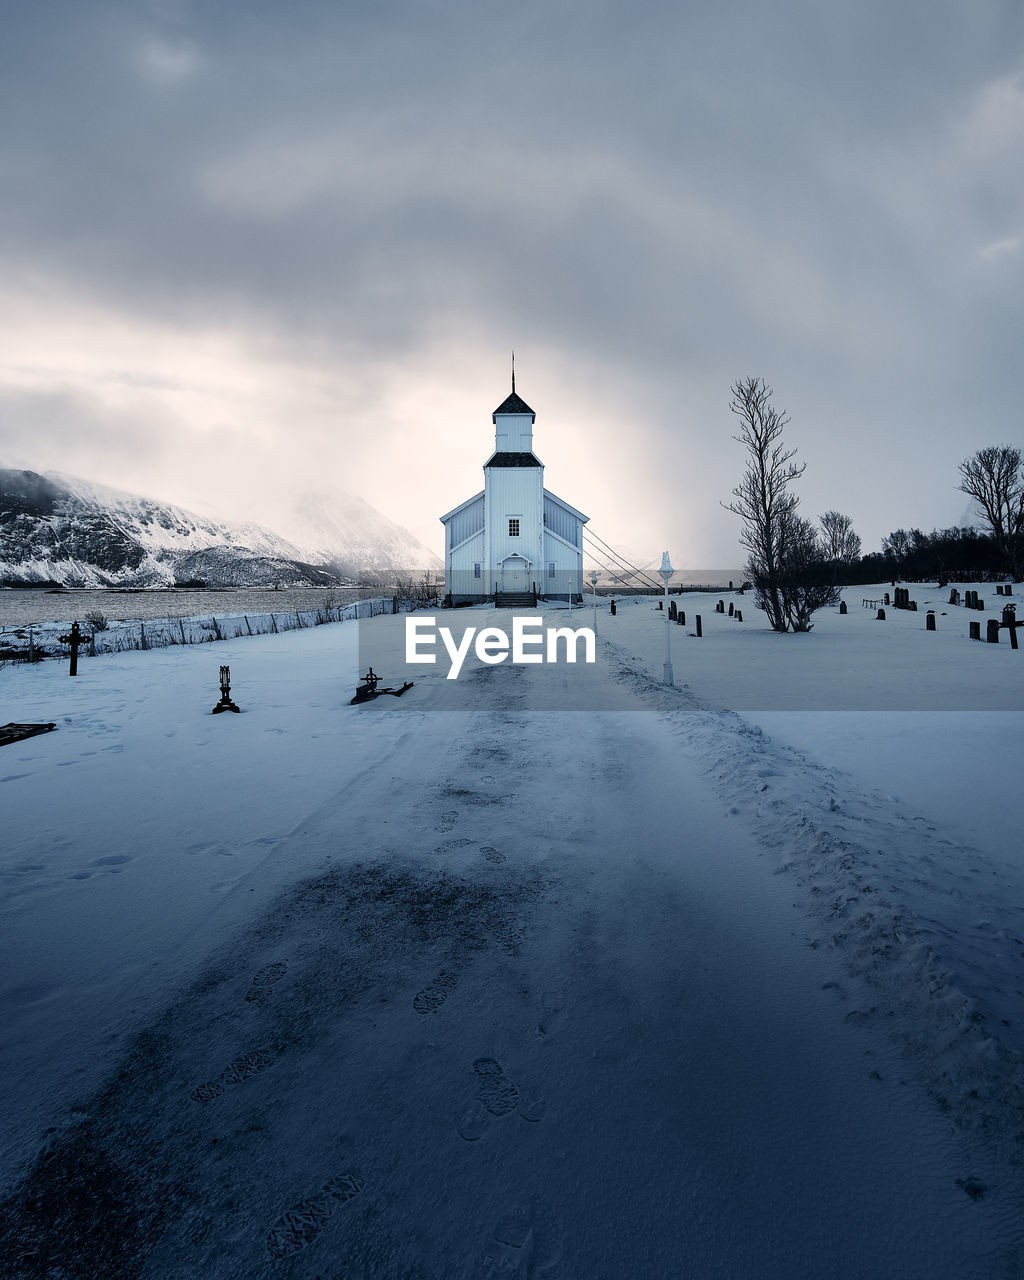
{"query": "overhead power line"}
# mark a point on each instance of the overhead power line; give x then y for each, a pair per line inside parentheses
(639, 573)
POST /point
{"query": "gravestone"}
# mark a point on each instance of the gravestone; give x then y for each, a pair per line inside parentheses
(75, 640)
(1011, 624)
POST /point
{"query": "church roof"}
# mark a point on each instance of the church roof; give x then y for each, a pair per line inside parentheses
(513, 460)
(513, 404)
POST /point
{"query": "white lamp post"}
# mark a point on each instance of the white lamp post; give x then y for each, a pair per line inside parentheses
(665, 572)
(593, 583)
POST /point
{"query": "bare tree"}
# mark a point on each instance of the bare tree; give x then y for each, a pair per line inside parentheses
(807, 573)
(993, 478)
(762, 499)
(896, 546)
(841, 544)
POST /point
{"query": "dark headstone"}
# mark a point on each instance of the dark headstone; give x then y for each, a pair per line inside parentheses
(18, 732)
(975, 630)
(842, 607)
(992, 631)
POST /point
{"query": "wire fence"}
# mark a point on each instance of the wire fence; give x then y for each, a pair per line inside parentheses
(35, 644)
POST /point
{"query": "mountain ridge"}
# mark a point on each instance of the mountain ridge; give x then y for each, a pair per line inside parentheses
(65, 530)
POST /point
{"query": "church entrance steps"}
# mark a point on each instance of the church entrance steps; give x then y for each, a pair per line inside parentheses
(514, 600)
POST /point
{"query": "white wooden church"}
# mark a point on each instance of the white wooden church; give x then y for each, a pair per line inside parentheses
(515, 540)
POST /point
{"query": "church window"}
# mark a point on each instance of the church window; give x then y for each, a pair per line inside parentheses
(476, 569)
(551, 568)
(513, 526)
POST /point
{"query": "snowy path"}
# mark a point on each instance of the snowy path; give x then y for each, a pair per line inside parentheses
(521, 1022)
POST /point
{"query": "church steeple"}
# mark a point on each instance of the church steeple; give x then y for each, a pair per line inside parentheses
(513, 435)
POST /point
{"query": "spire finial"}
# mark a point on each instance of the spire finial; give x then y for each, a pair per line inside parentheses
(513, 373)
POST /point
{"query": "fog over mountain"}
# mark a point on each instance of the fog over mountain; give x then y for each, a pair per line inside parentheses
(56, 528)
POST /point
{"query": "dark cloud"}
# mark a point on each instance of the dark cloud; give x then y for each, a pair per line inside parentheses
(653, 200)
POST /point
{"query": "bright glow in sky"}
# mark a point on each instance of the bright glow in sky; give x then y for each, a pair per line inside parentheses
(247, 249)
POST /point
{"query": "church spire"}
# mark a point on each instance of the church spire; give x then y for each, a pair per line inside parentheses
(513, 373)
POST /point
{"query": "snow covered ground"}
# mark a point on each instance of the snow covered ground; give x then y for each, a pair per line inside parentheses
(731, 987)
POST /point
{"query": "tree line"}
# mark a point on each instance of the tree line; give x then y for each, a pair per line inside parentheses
(797, 566)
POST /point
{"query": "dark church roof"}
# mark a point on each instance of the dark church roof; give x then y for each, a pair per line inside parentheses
(514, 404)
(512, 459)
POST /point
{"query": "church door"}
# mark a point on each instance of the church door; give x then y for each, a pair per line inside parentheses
(515, 574)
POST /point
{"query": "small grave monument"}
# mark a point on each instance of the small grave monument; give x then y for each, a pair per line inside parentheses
(75, 639)
(368, 690)
(225, 703)
(18, 732)
(1011, 623)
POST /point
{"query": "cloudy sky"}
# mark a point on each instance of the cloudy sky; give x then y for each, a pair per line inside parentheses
(249, 248)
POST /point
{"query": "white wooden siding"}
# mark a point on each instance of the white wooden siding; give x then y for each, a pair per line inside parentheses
(562, 522)
(513, 433)
(466, 522)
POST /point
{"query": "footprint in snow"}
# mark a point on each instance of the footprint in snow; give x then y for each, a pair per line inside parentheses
(242, 1068)
(260, 989)
(497, 1096)
(446, 822)
(492, 854)
(431, 998)
(299, 1226)
(446, 846)
(526, 1244)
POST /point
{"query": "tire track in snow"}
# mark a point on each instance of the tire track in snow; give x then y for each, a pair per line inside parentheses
(839, 845)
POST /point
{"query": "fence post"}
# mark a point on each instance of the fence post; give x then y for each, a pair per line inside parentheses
(699, 631)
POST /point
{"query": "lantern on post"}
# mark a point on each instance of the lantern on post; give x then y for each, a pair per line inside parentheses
(593, 583)
(665, 572)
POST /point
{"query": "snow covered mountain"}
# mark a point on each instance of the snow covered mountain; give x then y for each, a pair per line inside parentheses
(340, 527)
(61, 529)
